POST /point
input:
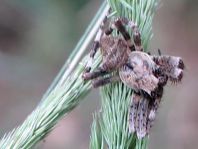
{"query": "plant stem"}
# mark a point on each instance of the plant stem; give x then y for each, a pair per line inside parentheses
(68, 89)
(65, 93)
(116, 97)
(79, 50)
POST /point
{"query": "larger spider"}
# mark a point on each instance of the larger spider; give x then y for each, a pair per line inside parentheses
(145, 74)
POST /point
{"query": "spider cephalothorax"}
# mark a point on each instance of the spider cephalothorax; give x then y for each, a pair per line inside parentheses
(145, 74)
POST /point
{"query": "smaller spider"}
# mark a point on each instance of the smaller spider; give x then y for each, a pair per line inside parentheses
(144, 73)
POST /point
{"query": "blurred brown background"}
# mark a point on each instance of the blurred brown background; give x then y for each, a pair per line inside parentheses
(36, 38)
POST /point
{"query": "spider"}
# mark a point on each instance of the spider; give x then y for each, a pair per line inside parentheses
(145, 74)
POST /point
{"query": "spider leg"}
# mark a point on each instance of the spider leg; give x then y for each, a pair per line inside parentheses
(136, 36)
(106, 67)
(162, 77)
(133, 112)
(155, 101)
(106, 80)
(142, 112)
(119, 24)
(141, 120)
(157, 93)
(94, 74)
(94, 48)
(163, 80)
(159, 52)
(153, 107)
(172, 66)
(104, 29)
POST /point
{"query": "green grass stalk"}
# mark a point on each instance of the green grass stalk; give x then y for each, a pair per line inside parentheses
(112, 120)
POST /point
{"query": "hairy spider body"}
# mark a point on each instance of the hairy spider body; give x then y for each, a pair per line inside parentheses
(145, 74)
(141, 76)
(172, 66)
(118, 54)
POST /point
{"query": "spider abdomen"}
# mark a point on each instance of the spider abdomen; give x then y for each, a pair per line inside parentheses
(139, 76)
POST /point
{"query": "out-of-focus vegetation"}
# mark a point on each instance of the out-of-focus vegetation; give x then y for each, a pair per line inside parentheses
(36, 37)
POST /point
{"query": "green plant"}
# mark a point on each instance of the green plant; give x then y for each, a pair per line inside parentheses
(68, 89)
(112, 121)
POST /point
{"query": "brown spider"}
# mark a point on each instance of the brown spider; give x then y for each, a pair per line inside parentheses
(145, 74)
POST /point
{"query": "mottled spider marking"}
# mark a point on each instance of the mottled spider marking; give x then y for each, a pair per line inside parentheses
(112, 59)
(117, 53)
(133, 112)
(152, 108)
(106, 80)
(141, 76)
(114, 50)
(142, 116)
(144, 73)
(172, 66)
